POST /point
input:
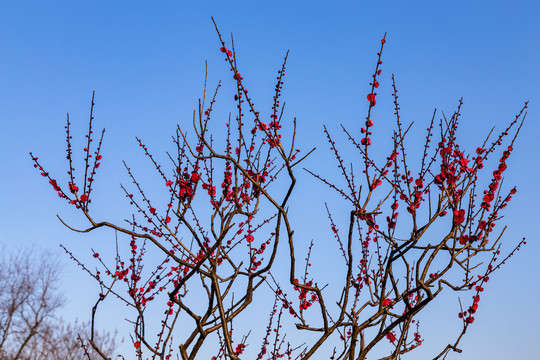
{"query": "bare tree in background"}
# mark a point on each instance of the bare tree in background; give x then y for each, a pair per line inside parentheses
(58, 340)
(30, 302)
(228, 211)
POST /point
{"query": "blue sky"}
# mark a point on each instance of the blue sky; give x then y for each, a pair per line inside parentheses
(146, 64)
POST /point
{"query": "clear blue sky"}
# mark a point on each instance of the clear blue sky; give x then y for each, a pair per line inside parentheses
(146, 63)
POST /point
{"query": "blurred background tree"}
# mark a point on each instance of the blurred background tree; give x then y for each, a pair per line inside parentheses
(30, 300)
